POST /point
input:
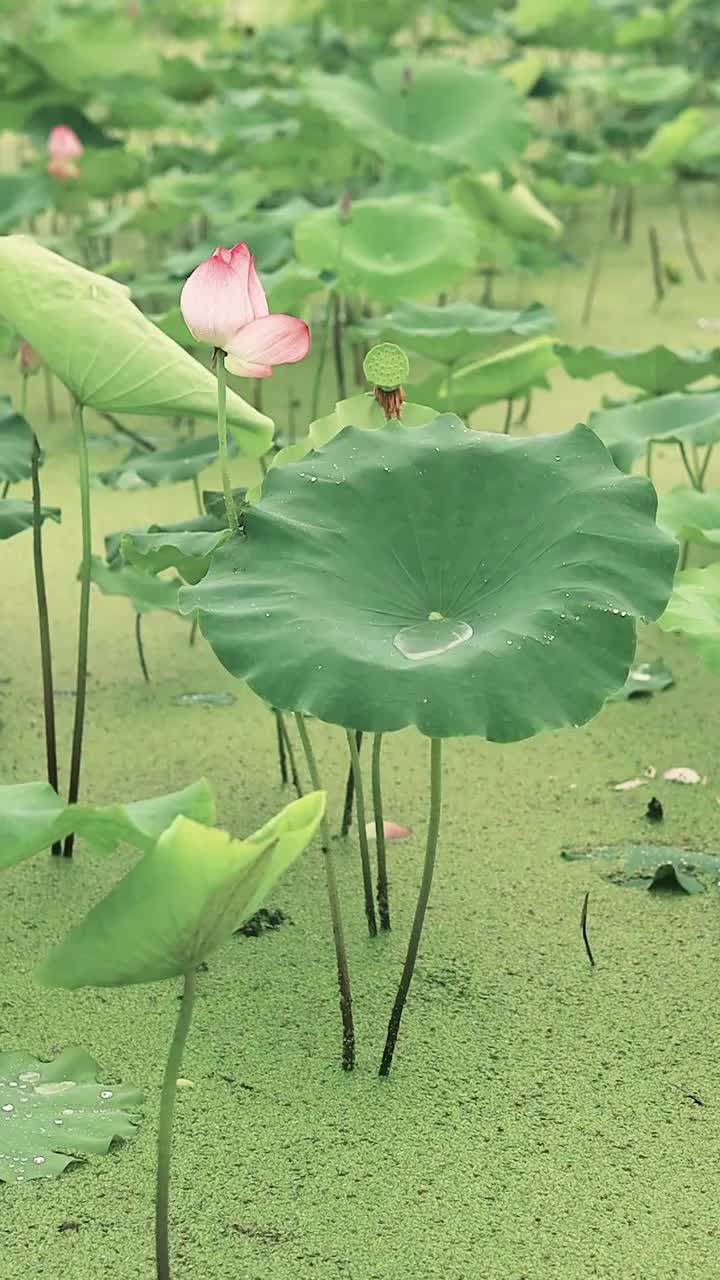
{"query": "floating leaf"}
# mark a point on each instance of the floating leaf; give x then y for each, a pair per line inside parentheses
(107, 353)
(692, 516)
(53, 1114)
(33, 816)
(402, 246)
(16, 515)
(645, 678)
(429, 110)
(189, 553)
(657, 370)
(180, 902)
(16, 442)
(654, 867)
(674, 419)
(145, 592)
(694, 609)
(366, 552)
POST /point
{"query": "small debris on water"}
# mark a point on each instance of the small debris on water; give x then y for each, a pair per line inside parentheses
(630, 785)
(217, 699)
(654, 812)
(690, 777)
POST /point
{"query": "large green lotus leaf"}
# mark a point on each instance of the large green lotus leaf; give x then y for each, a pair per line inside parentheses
(16, 515)
(449, 333)
(163, 466)
(658, 370)
(674, 419)
(23, 195)
(434, 110)
(463, 582)
(55, 1113)
(108, 353)
(145, 592)
(181, 901)
(33, 816)
(400, 247)
(504, 376)
(670, 141)
(691, 516)
(189, 553)
(16, 442)
(694, 608)
(514, 209)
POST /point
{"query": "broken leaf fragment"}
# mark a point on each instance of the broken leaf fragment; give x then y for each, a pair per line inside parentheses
(655, 867)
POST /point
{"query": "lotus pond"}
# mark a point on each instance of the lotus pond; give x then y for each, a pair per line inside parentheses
(358, 769)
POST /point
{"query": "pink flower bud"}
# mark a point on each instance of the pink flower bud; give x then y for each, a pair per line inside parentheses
(63, 143)
(28, 359)
(223, 303)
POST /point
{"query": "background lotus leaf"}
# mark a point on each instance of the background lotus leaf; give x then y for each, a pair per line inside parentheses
(692, 419)
(504, 376)
(694, 609)
(188, 552)
(658, 370)
(449, 333)
(145, 592)
(463, 582)
(181, 901)
(53, 1114)
(16, 442)
(105, 351)
(691, 516)
(404, 246)
(16, 515)
(163, 466)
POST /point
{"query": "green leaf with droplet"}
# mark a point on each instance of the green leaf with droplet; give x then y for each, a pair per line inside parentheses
(180, 902)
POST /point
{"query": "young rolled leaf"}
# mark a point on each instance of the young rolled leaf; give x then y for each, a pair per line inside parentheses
(675, 419)
(16, 441)
(694, 609)
(657, 370)
(16, 515)
(55, 1113)
(33, 816)
(107, 353)
(180, 902)
(459, 581)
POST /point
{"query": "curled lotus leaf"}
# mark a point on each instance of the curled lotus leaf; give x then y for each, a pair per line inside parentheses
(462, 582)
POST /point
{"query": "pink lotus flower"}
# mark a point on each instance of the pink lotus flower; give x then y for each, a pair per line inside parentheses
(64, 147)
(223, 303)
(393, 830)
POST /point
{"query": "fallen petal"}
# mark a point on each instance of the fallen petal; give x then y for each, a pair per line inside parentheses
(630, 785)
(688, 776)
(393, 831)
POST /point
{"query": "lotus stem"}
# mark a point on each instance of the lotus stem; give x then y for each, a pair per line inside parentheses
(656, 265)
(628, 215)
(127, 431)
(289, 752)
(383, 899)
(694, 481)
(140, 649)
(193, 631)
(165, 1127)
(49, 393)
(648, 459)
(593, 279)
(348, 1030)
(686, 232)
(508, 417)
(84, 617)
(223, 444)
(347, 813)
(322, 357)
(44, 630)
(703, 469)
(282, 757)
(338, 347)
(6, 489)
(362, 832)
(420, 909)
(198, 496)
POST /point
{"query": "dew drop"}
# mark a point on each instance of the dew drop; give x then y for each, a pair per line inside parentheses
(430, 639)
(106, 1093)
(38, 1159)
(8, 1107)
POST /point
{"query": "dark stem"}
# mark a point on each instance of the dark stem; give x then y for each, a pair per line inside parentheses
(383, 897)
(615, 207)
(322, 357)
(694, 481)
(628, 215)
(127, 431)
(420, 909)
(686, 232)
(338, 347)
(140, 649)
(6, 489)
(49, 393)
(198, 496)
(44, 630)
(583, 928)
(347, 813)
(656, 264)
(84, 618)
(525, 414)
(165, 1127)
(703, 469)
(508, 417)
(353, 747)
(290, 752)
(193, 631)
(593, 280)
(343, 976)
(282, 755)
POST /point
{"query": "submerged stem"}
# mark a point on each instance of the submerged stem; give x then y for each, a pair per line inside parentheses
(348, 1043)
(84, 617)
(44, 629)
(383, 899)
(347, 813)
(362, 832)
(420, 909)
(222, 442)
(167, 1109)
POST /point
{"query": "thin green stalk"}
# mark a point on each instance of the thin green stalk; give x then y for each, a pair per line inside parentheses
(347, 813)
(508, 417)
(420, 909)
(348, 1039)
(322, 357)
(703, 469)
(383, 899)
(165, 1126)
(686, 463)
(84, 616)
(222, 442)
(593, 278)
(49, 393)
(282, 754)
(198, 496)
(6, 489)
(140, 648)
(338, 352)
(290, 753)
(648, 459)
(362, 833)
(44, 630)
